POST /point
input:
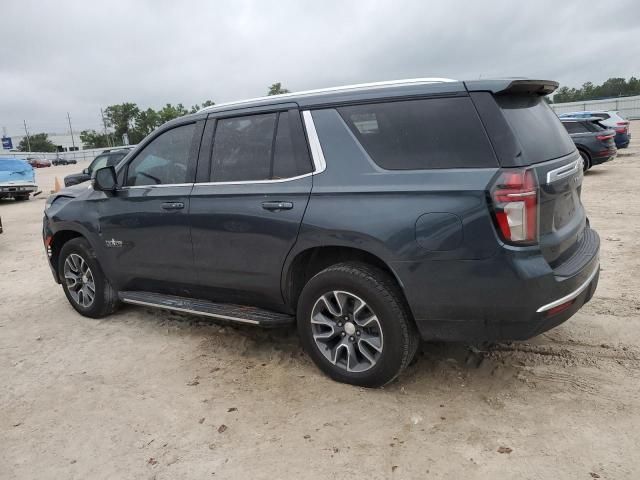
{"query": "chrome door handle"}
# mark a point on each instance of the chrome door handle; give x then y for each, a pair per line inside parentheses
(173, 205)
(275, 206)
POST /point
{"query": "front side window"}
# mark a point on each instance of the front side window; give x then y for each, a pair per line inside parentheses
(257, 147)
(164, 160)
(421, 134)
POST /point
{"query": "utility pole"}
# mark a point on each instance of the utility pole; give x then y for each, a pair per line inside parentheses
(104, 123)
(71, 131)
(27, 133)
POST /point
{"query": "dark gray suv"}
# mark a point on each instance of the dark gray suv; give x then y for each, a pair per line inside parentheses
(372, 215)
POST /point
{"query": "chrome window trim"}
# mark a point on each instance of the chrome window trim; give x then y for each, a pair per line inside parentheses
(250, 182)
(573, 294)
(160, 185)
(317, 155)
(564, 171)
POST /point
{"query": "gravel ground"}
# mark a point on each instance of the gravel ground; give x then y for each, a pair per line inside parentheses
(151, 394)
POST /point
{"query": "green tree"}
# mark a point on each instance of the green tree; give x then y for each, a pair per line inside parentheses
(93, 139)
(196, 108)
(146, 122)
(39, 143)
(276, 89)
(169, 112)
(612, 87)
(121, 118)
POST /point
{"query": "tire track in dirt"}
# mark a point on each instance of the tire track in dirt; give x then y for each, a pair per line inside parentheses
(567, 353)
(563, 362)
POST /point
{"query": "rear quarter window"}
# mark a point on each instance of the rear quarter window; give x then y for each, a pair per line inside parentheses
(421, 134)
(536, 127)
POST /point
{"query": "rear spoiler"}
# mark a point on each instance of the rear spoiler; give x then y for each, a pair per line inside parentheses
(510, 85)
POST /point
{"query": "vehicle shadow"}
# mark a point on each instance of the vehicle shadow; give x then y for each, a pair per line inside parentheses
(248, 346)
(597, 172)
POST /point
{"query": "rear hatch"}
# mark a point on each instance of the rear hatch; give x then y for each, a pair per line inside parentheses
(527, 136)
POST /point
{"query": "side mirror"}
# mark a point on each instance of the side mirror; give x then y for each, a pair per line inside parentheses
(105, 179)
(85, 171)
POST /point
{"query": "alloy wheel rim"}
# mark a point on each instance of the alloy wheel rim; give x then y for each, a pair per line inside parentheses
(346, 331)
(79, 280)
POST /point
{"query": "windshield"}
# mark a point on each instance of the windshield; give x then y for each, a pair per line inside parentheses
(13, 166)
(99, 162)
(106, 161)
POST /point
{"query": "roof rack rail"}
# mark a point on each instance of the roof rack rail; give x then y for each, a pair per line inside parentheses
(343, 88)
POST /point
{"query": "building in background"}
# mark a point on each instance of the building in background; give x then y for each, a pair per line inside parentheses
(62, 141)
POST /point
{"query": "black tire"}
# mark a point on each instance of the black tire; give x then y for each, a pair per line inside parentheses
(105, 300)
(586, 160)
(21, 198)
(382, 295)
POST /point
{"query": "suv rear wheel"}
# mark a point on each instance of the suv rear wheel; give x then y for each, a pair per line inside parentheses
(353, 323)
(83, 282)
(586, 161)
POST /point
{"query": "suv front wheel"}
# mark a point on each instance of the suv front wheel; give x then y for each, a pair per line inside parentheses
(84, 284)
(354, 325)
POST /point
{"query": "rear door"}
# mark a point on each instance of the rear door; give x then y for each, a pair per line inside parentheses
(525, 132)
(254, 181)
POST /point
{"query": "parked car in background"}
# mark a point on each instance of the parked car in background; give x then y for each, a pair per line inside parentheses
(610, 119)
(61, 160)
(17, 179)
(125, 147)
(38, 162)
(339, 210)
(593, 140)
(111, 158)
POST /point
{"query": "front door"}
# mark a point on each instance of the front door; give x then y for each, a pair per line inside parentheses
(245, 218)
(145, 224)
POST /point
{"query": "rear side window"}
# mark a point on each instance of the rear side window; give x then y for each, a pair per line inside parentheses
(242, 148)
(536, 127)
(575, 127)
(258, 147)
(595, 126)
(421, 134)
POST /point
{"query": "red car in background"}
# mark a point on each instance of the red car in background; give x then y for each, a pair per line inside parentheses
(38, 162)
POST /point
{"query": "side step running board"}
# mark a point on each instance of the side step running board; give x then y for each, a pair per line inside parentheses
(222, 311)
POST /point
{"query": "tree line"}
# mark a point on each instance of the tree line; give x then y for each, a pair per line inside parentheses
(126, 119)
(613, 87)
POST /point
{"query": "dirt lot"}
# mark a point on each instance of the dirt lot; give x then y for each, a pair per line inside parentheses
(150, 394)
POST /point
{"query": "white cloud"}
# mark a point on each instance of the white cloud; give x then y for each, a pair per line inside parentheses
(79, 55)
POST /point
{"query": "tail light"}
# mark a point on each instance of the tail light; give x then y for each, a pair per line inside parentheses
(622, 127)
(515, 205)
(602, 138)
